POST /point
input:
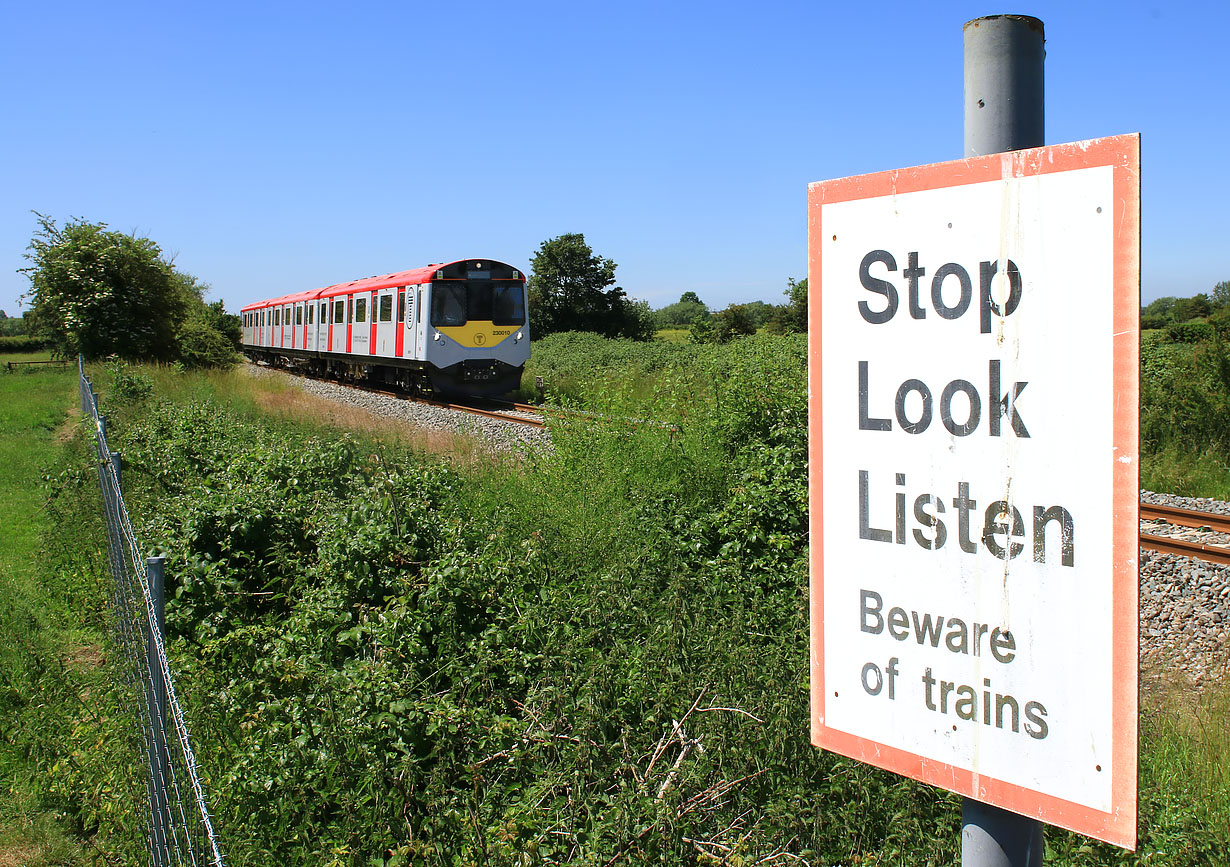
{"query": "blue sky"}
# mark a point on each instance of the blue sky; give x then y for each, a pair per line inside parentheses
(274, 147)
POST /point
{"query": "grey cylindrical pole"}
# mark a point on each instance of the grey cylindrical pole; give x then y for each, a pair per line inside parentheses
(159, 764)
(1004, 104)
(991, 837)
(1004, 55)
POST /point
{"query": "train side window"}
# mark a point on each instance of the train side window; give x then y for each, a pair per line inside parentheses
(311, 308)
(277, 316)
(298, 315)
(324, 312)
(401, 305)
(386, 308)
(339, 311)
(360, 310)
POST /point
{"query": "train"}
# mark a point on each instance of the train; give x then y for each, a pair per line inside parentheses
(455, 328)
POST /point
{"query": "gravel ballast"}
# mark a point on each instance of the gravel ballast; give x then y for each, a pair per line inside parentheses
(493, 433)
(1184, 602)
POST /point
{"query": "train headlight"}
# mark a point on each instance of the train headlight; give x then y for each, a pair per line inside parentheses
(435, 335)
(518, 335)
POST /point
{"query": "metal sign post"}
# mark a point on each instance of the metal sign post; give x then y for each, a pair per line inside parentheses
(1004, 111)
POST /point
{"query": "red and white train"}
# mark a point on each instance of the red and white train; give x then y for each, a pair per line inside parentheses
(455, 328)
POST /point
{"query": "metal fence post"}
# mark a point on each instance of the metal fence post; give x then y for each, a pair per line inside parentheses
(1004, 111)
(156, 701)
(117, 465)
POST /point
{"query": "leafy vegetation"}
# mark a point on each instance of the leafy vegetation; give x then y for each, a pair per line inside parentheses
(97, 293)
(21, 343)
(568, 291)
(1185, 397)
(13, 326)
(682, 313)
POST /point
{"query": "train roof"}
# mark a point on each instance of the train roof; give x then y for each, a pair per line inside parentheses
(414, 276)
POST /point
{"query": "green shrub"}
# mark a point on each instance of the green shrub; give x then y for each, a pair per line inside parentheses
(22, 344)
(1189, 332)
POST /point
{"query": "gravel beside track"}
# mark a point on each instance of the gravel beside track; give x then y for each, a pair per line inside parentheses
(1184, 603)
(494, 433)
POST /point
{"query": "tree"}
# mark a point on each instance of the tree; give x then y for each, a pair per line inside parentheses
(12, 326)
(99, 293)
(1160, 307)
(568, 292)
(208, 336)
(724, 326)
(1186, 309)
(791, 317)
(682, 313)
(1221, 294)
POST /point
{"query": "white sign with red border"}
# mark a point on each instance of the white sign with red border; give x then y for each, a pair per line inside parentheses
(973, 378)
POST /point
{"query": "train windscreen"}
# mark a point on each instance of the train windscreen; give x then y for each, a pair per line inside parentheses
(458, 302)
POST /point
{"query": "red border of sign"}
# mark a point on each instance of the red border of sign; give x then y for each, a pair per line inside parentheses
(1122, 154)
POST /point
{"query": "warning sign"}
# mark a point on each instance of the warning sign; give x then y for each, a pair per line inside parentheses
(974, 355)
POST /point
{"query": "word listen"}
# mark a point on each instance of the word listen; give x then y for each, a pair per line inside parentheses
(999, 537)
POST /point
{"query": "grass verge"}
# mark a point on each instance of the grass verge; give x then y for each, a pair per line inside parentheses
(38, 632)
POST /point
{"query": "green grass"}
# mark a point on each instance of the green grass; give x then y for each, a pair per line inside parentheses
(1174, 470)
(674, 335)
(36, 629)
(6, 357)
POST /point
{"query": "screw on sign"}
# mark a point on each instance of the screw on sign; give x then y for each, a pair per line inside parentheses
(973, 379)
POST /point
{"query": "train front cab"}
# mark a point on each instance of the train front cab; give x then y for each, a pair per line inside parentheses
(478, 340)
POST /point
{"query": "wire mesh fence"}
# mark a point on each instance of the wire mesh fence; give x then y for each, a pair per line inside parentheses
(179, 830)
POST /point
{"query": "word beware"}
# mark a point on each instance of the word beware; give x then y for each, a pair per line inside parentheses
(927, 628)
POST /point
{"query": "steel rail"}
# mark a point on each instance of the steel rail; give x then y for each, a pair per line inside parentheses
(1185, 517)
(1184, 548)
(488, 413)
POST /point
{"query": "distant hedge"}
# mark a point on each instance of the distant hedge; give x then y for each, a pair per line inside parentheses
(22, 343)
(1195, 331)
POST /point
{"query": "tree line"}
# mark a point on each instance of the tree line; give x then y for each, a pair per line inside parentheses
(572, 289)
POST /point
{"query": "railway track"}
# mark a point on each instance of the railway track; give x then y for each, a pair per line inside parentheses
(1184, 547)
(506, 414)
